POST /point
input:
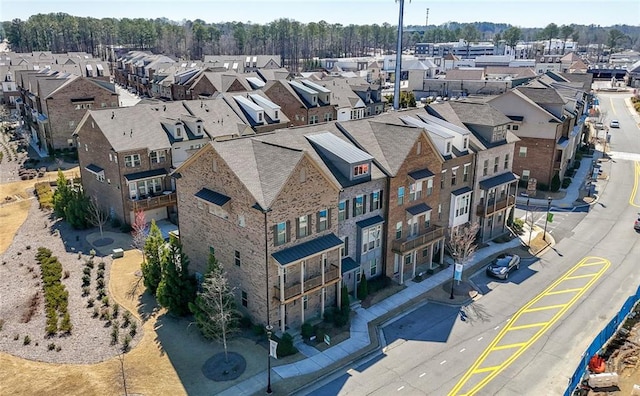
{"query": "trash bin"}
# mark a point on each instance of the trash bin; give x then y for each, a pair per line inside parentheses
(117, 253)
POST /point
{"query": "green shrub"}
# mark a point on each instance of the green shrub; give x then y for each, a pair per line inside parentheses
(542, 187)
(26, 340)
(258, 330)
(133, 330)
(45, 195)
(307, 330)
(363, 287)
(578, 158)
(245, 322)
(517, 225)
(125, 228)
(285, 346)
(566, 182)
(378, 284)
(555, 182)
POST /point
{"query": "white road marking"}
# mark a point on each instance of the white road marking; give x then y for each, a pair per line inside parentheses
(422, 375)
(443, 362)
(480, 338)
(463, 349)
(400, 388)
(496, 328)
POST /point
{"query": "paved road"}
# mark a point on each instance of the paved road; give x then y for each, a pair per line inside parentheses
(432, 350)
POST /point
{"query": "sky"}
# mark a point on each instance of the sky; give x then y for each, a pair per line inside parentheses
(522, 13)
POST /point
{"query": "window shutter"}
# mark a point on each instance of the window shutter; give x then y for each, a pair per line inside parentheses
(288, 231)
(354, 208)
(364, 203)
(317, 221)
(346, 209)
(380, 198)
(275, 235)
(371, 202)
(297, 227)
(329, 211)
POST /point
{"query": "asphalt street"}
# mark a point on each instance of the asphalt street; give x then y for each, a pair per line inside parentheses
(436, 350)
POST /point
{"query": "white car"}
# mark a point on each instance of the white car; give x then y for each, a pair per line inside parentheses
(614, 124)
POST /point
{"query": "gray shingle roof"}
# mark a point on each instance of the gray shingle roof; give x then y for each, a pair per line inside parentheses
(306, 249)
(389, 144)
(541, 95)
(212, 197)
(478, 113)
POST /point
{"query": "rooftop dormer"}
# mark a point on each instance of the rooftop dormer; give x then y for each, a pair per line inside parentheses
(353, 163)
(272, 109)
(322, 92)
(309, 95)
(175, 127)
(255, 112)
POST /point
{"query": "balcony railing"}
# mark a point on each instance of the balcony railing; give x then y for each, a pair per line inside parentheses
(310, 283)
(410, 243)
(153, 202)
(494, 205)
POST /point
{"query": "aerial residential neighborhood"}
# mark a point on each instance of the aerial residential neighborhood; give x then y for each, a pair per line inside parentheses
(322, 208)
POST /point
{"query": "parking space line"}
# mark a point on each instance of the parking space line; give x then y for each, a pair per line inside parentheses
(579, 276)
(594, 263)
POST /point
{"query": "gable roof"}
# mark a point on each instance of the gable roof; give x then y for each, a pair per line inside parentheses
(465, 74)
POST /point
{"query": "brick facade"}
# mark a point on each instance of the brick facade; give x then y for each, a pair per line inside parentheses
(200, 230)
(397, 213)
(539, 159)
(64, 114)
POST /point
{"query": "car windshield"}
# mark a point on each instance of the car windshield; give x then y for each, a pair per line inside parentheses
(503, 262)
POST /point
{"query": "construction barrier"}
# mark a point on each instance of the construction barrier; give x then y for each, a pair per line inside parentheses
(601, 340)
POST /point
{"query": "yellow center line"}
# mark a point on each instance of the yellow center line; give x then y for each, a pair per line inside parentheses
(580, 276)
(634, 190)
(612, 107)
(509, 346)
(563, 291)
(474, 369)
(527, 326)
(545, 308)
(486, 369)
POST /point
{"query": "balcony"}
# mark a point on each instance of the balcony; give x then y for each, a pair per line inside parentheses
(152, 202)
(310, 283)
(494, 205)
(410, 243)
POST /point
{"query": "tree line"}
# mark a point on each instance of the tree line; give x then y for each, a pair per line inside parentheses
(296, 42)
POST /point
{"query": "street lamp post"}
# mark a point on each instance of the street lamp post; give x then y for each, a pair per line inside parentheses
(269, 329)
(526, 216)
(546, 219)
(453, 279)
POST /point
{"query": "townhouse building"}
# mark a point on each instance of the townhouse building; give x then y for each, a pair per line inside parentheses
(267, 212)
(495, 184)
(304, 102)
(126, 154)
(413, 165)
(53, 103)
(545, 128)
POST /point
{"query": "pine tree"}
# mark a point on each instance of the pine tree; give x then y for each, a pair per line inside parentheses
(152, 267)
(77, 208)
(176, 288)
(62, 196)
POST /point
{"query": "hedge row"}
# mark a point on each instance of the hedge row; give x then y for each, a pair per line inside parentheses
(56, 297)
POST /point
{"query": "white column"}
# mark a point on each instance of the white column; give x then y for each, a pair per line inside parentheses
(281, 279)
(283, 309)
(322, 298)
(402, 269)
(441, 251)
(302, 276)
(415, 258)
(431, 256)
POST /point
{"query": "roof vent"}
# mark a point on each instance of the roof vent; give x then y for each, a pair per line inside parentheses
(164, 108)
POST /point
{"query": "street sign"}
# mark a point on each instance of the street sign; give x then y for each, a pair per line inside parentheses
(273, 348)
(457, 275)
(550, 217)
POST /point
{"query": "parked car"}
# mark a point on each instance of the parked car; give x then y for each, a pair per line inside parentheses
(502, 265)
(636, 225)
(614, 124)
(599, 125)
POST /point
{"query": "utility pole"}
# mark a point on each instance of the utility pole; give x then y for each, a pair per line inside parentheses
(426, 22)
(396, 88)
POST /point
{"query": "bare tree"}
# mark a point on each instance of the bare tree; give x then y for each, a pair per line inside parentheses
(214, 309)
(462, 242)
(96, 215)
(139, 232)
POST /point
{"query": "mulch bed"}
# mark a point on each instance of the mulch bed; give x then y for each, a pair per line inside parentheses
(218, 369)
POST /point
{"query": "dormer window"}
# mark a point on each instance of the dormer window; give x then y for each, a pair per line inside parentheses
(276, 116)
(314, 99)
(361, 170)
(465, 144)
(448, 148)
(199, 129)
(259, 117)
(178, 131)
